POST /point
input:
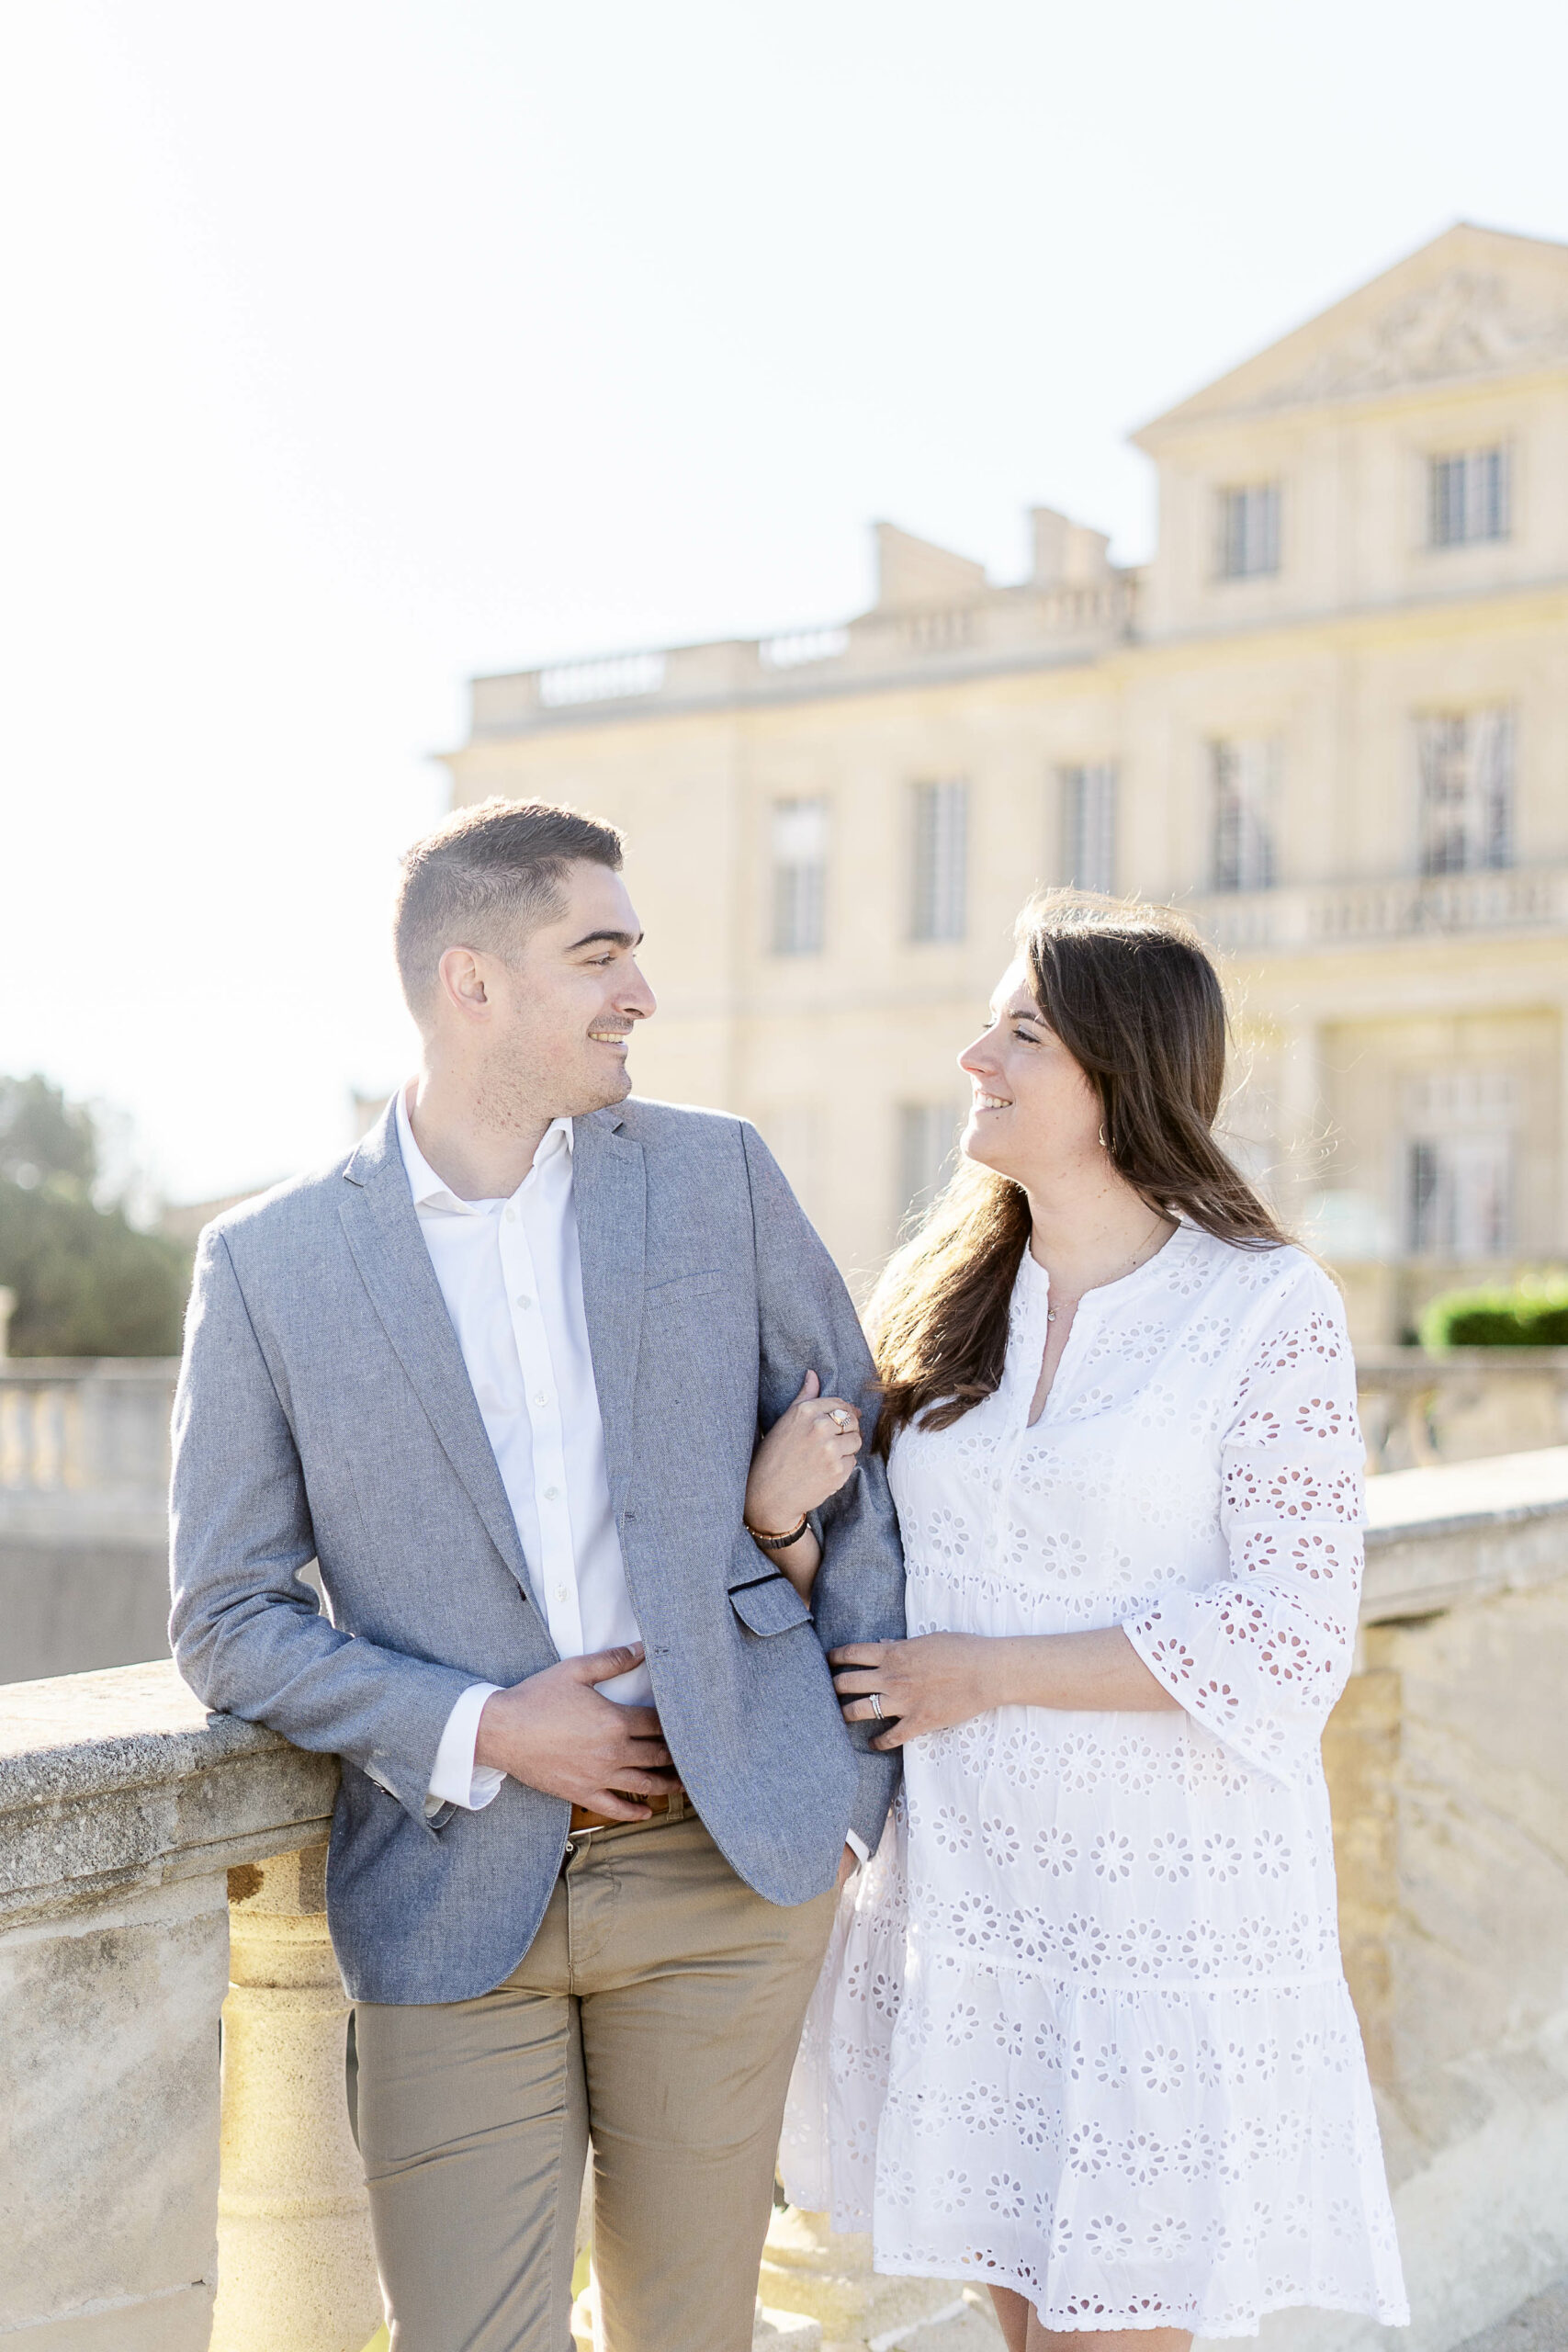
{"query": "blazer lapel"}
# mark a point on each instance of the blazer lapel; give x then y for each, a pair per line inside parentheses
(382, 1229)
(609, 1183)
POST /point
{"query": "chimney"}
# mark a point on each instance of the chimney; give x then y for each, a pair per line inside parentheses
(1066, 555)
(911, 572)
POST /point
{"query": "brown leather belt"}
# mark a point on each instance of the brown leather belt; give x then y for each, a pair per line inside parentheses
(583, 1818)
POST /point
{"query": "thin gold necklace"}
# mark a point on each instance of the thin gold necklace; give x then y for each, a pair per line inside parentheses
(1072, 1305)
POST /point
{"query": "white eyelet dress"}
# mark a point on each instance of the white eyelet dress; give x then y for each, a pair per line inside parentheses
(1083, 2030)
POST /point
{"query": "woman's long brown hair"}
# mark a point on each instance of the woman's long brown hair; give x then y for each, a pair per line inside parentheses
(1134, 998)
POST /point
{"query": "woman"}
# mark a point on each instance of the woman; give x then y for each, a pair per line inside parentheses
(1084, 2034)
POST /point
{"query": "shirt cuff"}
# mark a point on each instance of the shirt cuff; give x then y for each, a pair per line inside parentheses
(456, 1779)
(857, 1846)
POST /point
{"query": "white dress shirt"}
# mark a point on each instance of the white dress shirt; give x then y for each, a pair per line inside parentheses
(512, 1279)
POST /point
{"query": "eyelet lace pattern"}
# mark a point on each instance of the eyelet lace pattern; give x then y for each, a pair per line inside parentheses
(1083, 2030)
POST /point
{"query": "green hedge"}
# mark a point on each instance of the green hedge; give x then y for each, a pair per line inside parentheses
(1532, 1314)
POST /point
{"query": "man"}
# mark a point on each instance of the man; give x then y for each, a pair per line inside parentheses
(501, 1375)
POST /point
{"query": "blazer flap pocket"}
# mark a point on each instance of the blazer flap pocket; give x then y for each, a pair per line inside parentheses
(769, 1605)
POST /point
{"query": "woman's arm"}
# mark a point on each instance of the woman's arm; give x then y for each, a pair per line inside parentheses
(807, 1456)
(938, 1679)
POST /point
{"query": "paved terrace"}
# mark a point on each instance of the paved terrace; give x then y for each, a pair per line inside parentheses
(161, 1868)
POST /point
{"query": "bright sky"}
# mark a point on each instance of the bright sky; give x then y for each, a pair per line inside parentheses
(354, 348)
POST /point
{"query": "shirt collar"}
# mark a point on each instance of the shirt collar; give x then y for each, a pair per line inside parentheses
(426, 1186)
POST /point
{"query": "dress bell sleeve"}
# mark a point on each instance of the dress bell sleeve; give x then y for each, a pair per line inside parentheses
(1259, 1656)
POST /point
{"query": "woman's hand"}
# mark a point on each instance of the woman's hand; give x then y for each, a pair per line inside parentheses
(807, 1456)
(928, 1684)
(942, 1679)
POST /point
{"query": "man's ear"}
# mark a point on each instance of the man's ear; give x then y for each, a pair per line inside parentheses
(461, 983)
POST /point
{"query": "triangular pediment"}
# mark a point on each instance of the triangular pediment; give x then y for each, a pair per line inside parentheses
(1473, 304)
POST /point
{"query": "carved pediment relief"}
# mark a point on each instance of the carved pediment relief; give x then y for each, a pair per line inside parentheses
(1467, 322)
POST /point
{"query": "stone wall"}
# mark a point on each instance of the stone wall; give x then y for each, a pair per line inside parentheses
(134, 1829)
(1448, 1767)
(123, 1808)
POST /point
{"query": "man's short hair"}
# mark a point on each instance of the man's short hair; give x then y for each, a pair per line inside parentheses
(483, 879)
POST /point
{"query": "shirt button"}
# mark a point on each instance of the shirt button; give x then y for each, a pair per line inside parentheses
(552, 1494)
(511, 1216)
(541, 1395)
(524, 1299)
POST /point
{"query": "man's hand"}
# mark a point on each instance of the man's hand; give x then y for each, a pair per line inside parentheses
(556, 1733)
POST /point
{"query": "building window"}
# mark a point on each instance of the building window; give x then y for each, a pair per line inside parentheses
(942, 825)
(1466, 790)
(1467, 498)
(1244, 780)
(1458, 1162)
(1460, 1191)
(1248, 531)
(800, 876)
(928, 1134)
(1089, 827)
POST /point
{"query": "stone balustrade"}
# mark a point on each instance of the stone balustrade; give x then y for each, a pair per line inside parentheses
(85, 1427)
(1418, 1410)
(84, 1512)
(1296, 918)
(1026, 627)
(162, 1881)
(133, 1827)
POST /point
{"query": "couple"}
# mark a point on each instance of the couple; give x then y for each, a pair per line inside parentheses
(565, 1397)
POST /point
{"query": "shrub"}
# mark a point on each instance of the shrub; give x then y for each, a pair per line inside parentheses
(1529, 1314)
(88, 1282)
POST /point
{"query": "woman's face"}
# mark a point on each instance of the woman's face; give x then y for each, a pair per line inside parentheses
(1034, 1111)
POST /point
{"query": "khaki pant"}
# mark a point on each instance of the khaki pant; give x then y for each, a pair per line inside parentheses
(657, 2012)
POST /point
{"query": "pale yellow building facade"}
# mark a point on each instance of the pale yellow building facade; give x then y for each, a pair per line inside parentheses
(1329, 717)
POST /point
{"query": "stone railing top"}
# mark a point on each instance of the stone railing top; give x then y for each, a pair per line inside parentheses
(115, 1780)
(1498, 1491)
(1464, 1531)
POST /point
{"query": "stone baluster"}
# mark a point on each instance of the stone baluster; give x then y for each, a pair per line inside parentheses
(296, 2267)
(810, 2269)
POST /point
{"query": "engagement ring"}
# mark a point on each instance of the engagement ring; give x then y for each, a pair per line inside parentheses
(875, 1698)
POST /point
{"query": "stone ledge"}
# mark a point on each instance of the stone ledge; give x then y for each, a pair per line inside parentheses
(122, 1779)
(1463, 1531)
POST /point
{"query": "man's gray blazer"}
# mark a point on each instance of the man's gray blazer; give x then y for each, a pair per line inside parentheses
(324, 1412)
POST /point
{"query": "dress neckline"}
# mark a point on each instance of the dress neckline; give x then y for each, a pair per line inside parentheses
(1032, 1292)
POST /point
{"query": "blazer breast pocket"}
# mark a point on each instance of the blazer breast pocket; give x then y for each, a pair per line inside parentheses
(683, 1290)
